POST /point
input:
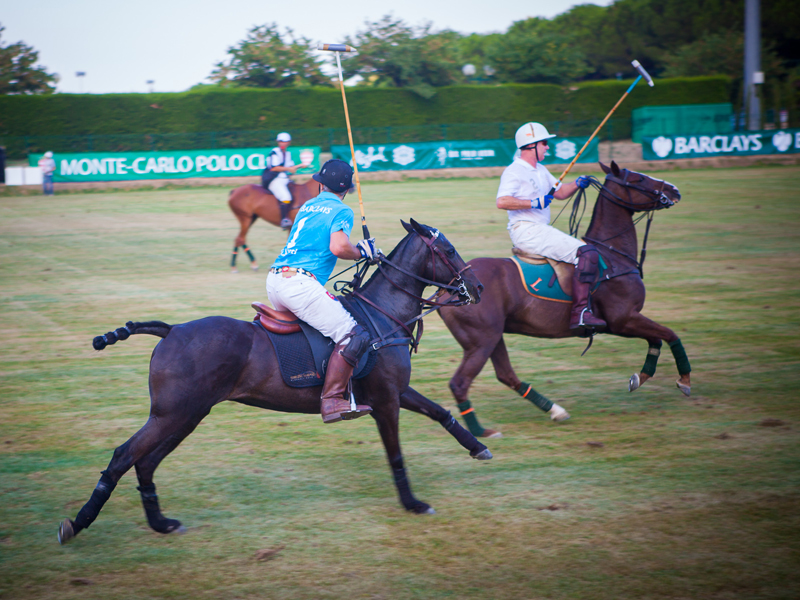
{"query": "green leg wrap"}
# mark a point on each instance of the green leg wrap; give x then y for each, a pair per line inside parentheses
(651, 361)
(681, 360)
(233, 256)
(526, 391)
(468, 414)
(250, 254)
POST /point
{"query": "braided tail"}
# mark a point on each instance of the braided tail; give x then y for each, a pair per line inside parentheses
(156, 328)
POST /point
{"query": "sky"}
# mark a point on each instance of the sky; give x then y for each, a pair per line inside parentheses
(120, 46)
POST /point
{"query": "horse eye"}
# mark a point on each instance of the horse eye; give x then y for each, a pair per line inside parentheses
(450, 251)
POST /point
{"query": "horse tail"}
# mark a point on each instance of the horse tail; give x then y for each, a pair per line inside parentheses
(156, 328)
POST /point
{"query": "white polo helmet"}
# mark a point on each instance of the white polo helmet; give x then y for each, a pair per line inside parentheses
(530, 133)
(284, 137)
(48, 154)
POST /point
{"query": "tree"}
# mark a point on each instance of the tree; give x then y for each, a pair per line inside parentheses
(530, 53)
(264, 59)
(391, 53)
(19, 73)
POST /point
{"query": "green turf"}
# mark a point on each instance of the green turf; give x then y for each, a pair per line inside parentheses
(685, 498)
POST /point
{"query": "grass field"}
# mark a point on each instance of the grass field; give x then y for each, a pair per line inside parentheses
(682, 497)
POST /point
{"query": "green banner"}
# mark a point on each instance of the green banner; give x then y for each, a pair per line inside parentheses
(456, 154)
(123, 166)
(743, 143)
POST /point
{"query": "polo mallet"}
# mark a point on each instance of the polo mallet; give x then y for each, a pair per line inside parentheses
(642, 73)
(336, 49)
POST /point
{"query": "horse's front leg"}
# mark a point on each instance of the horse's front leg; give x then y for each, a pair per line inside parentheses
(412, 400)
(640, 326)
(386, 416)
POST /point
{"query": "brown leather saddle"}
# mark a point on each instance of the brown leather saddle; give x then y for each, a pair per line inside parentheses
(563, 270)
(276, 321)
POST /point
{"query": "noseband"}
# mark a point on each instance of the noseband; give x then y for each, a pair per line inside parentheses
(659, 198)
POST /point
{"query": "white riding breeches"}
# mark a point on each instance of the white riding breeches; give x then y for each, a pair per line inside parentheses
(279, 187)
(545, 240)
(311, 302)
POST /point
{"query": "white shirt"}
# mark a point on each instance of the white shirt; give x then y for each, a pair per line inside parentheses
(47, 165)
(275, 159)
(521, 180)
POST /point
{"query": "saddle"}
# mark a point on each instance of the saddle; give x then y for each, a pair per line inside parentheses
(276, 321)
(563, 271)
(302, 351)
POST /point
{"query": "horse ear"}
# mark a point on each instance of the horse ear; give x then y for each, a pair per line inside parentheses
(605, 168)
(406, 226)
(615, 168)
(420, 229)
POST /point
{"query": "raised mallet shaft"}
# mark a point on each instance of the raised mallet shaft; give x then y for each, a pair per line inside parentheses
(337, 48)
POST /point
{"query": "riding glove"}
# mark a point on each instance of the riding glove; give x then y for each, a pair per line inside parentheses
(583, 182)
(542, 202)
(367, 248)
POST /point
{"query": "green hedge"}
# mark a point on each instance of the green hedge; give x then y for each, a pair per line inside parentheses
(252, 109)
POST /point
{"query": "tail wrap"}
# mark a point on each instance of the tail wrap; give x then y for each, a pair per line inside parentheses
(156, 328)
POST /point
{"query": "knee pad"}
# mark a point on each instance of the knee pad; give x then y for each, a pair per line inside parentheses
(359, 343)
(587, 267)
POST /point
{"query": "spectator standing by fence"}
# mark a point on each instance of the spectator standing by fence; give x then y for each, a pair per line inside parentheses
(48, 167)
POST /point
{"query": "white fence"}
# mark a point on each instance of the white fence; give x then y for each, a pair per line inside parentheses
(23, 176)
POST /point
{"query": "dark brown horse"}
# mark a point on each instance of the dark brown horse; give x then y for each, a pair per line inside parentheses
(506, 306)
(202, 363)
(249, 202)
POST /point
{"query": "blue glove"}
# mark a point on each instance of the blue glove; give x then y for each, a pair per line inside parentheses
(542, 202)
(583, 182)
(367, 248)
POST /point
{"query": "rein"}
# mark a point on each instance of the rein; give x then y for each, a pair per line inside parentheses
(659, 201)
(459, 294)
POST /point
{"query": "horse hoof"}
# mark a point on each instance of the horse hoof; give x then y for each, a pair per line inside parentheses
(430, 511)
(65, 531)
(558, 414)
(685, 389)
(234, 271)
(180, 530)
(483, 455)
(634, 384)
(490, 433)
(254, 267)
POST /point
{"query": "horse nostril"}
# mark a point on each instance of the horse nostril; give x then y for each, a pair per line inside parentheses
(480, 288)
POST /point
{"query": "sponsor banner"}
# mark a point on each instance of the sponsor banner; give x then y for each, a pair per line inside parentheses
(177, 164)
(743, 143)
(456, 154)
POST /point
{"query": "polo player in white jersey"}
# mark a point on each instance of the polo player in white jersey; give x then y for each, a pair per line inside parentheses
(276, 176)
(524, 193)
(320, 234)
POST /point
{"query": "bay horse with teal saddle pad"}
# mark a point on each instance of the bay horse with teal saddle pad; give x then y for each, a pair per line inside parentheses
(531, 299)
(199, 364)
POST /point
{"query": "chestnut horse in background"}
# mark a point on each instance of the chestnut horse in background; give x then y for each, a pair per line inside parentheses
(506, 307)
(251, 201)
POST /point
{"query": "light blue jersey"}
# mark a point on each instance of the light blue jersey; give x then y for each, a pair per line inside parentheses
(309, 245)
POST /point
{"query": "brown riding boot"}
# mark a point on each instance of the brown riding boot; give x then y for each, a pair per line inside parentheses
(335, 406)
(583, 279)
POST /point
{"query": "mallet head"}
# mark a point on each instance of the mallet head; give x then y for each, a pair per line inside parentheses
(337, 48)
(638, 66)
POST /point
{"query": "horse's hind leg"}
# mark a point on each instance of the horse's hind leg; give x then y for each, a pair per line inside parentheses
(475, 356)
(642, 327)
(147, 489)
(245, 222)
(144, 441)
(505, 375)
(386, 416)
(412, 400)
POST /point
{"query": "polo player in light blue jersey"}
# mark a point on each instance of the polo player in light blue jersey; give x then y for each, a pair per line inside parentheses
(320, 235)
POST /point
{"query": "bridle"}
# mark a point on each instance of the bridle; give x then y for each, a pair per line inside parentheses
(459, 293)
(658, 200)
